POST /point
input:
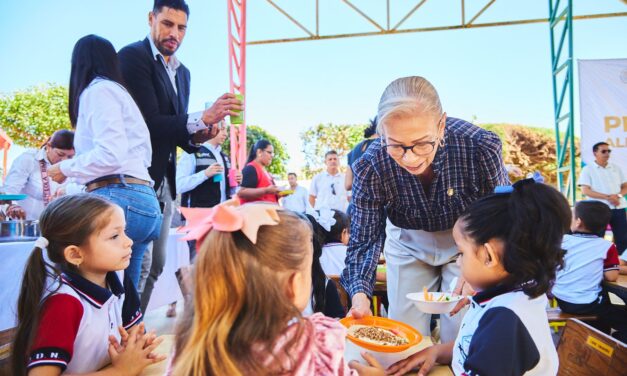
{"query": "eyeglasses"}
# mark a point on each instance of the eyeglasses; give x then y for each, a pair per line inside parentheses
(606, 151)
(420, 149)
(333, 189)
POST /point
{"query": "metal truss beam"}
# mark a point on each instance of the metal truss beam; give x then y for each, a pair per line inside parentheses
(562, 77)
(237, 75)
(397, 28)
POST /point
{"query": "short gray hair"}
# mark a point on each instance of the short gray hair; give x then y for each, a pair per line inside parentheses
(408, 96)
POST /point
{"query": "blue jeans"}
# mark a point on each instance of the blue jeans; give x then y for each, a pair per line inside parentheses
(143, 218)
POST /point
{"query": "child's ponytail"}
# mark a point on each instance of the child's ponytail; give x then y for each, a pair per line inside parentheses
(33, 286)
(531, 219)
(66, 221)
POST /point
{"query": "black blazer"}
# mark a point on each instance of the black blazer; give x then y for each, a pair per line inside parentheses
(164, 111)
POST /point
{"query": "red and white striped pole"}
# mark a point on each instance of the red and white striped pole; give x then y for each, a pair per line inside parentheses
(237, 77)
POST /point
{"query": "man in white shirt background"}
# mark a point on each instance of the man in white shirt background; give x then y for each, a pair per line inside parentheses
(327, 188)
(604, 181)
(296, 201)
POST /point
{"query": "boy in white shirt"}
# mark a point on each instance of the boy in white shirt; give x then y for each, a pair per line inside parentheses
(589, 259)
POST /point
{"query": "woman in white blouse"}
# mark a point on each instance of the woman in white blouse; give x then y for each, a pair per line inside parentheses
(28, 173)
(112, 144)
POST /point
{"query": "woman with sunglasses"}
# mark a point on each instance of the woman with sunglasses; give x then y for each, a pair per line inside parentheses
(28, 175)
(257, 184)
(409, 188)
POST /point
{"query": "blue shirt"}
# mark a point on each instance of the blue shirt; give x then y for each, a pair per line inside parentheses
(468, 167)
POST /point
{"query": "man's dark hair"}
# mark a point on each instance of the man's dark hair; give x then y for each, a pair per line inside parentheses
(292, 174)
(371, 129)
(594, 215)
(597, 145)
(173, 4)
(330, 152)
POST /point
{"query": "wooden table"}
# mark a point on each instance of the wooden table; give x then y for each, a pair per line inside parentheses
(166, 348)
(619, 288)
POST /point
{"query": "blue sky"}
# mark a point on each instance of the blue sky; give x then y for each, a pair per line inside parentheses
(494, 74)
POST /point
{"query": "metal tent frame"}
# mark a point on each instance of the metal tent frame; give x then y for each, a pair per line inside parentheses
(560, 23)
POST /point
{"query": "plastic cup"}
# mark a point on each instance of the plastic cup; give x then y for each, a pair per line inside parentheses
(239, 119)
(232, 177)
(218, 178)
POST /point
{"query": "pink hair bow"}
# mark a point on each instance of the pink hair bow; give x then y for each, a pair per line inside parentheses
(229, 216)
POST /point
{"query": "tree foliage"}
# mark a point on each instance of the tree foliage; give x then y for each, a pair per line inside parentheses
(255, 133)
(30, 116)
(321, 138)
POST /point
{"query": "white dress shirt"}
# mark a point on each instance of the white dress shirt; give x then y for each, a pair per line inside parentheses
(324, 185)
(194, 120)
(25, 178)
(111, 135)
(606, 180)
(297, 201)
(186, 176)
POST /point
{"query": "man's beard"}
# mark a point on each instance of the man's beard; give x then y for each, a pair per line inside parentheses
(164, 51)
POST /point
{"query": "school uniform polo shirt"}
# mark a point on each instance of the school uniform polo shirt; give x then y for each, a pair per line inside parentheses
(77, 320)
(333, 258)
(505, 333)
(587, 258)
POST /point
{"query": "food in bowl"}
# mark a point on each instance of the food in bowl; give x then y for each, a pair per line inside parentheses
(377, 336)
(386, 353)
(434, 302)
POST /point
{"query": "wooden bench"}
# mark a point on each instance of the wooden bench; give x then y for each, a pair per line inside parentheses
(584, 350)
(6, 339)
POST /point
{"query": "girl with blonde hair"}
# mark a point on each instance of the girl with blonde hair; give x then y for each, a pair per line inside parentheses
(252, 281)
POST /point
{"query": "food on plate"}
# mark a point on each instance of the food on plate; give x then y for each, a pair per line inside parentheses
(286, 192)
(376, 335)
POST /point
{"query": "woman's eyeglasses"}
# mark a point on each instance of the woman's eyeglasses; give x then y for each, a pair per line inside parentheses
(420, 149)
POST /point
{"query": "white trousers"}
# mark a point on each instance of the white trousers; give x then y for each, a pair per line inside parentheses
(417, 259)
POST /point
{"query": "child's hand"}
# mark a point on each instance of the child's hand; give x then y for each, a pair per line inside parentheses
(134, 357)
(372, 369)
(425, 359)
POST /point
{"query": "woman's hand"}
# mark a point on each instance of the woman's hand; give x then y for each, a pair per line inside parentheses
(271, 190)
(372, 369)
(54, 172)
(424, 359)
(360, 306)
(15, 212)
(464, 289)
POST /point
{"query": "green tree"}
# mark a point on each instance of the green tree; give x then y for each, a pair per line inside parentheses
(255, 133)
(321, 138)
(30, 116)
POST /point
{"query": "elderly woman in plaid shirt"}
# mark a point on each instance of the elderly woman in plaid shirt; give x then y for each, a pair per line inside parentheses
(409, 188)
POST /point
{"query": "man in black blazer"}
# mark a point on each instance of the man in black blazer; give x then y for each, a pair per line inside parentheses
(160, 85)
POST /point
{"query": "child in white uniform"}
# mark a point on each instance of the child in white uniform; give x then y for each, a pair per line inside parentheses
(510, 245)
(73, 316)
(336, 225)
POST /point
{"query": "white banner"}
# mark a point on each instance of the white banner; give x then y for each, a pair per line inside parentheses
(603, 108)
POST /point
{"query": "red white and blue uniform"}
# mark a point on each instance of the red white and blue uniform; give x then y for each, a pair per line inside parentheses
(505, 332)
(77, 320)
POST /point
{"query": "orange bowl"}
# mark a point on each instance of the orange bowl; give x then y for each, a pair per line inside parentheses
(412, 335)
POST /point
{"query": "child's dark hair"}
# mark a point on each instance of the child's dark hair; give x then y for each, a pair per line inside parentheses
(594, 215)
(531, 221)
(342, 222)
(318, 277)
(66, 221)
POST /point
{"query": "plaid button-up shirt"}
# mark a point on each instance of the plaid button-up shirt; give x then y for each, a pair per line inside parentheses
(468, 167)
